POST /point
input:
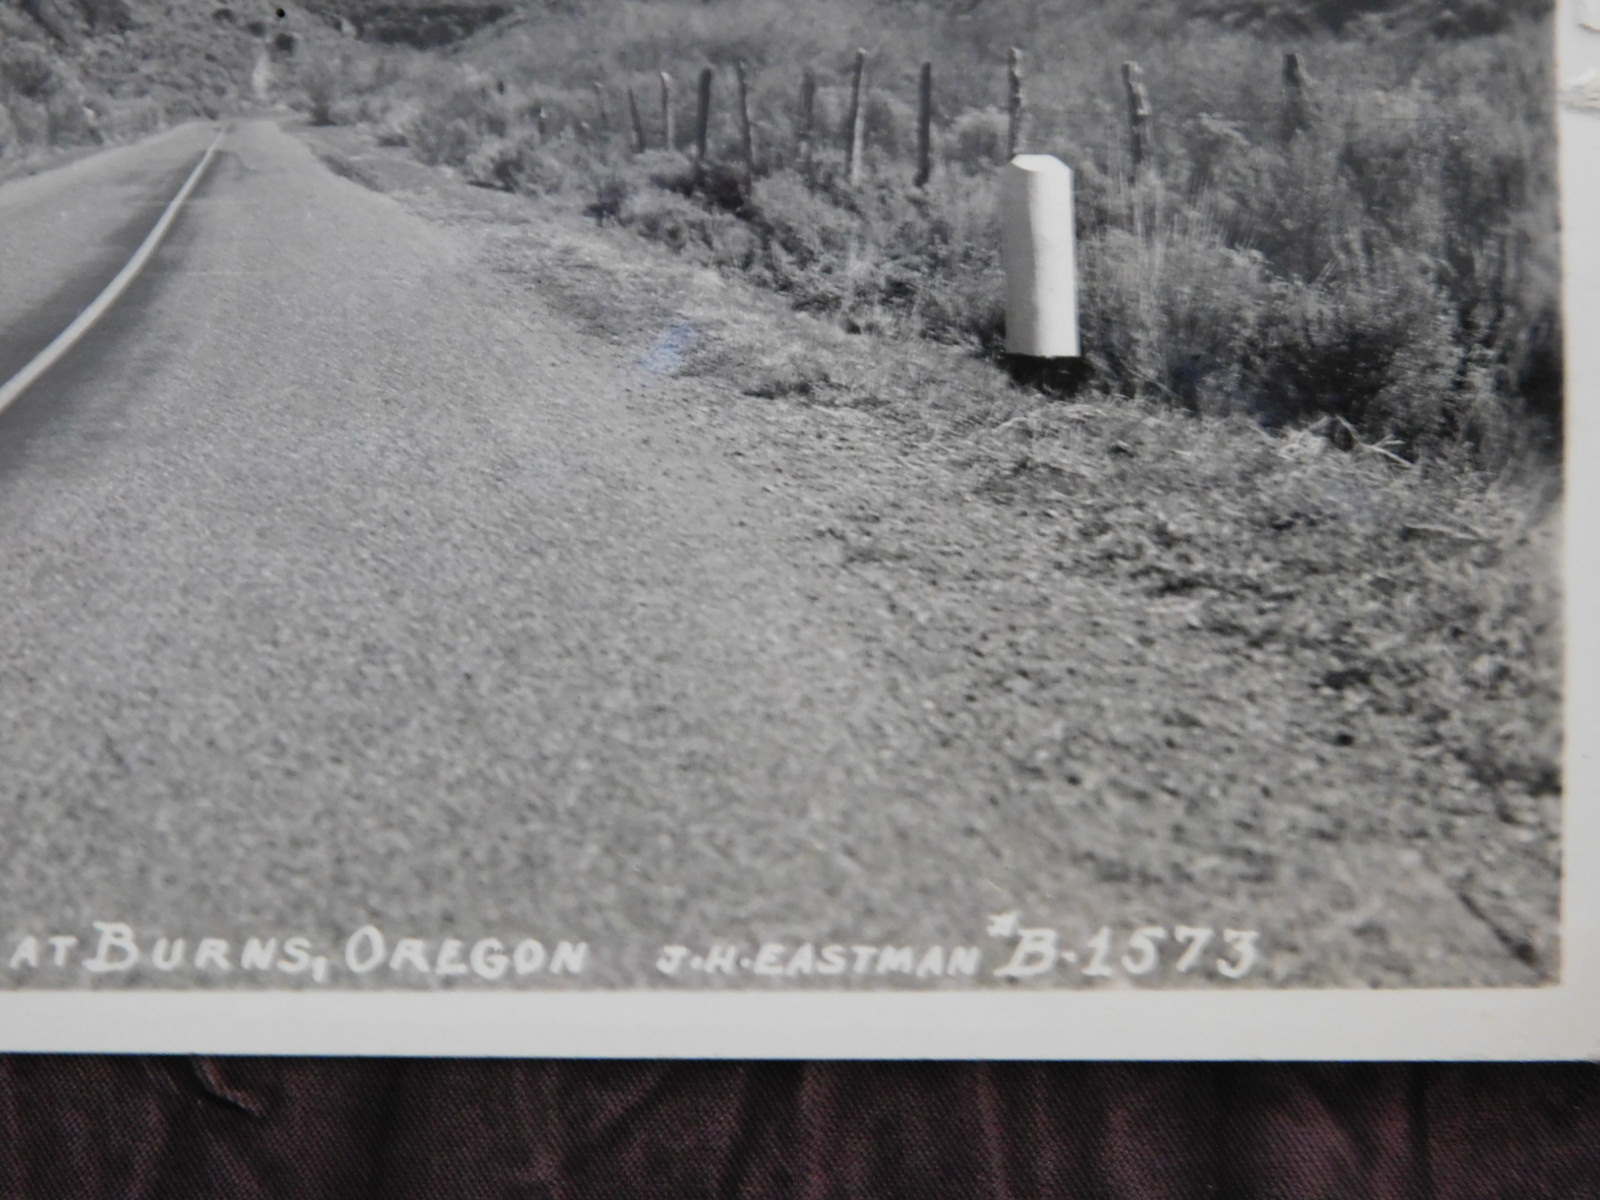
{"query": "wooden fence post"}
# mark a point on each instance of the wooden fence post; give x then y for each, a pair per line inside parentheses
(1014, 106)
(858, 121)
(702, 124)
(1296, 100)
(638, 123)
(925, 126)
(747, 145)
(1138, 113)
(668, 133)
(808, 116)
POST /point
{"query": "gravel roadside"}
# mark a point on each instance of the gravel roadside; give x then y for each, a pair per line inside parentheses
(1129, 750)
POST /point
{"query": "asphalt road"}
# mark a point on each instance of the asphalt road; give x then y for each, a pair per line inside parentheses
(65, 233)
(344, 582)
(338, 592)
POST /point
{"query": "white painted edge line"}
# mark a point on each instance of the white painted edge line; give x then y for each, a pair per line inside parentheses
(85, 321)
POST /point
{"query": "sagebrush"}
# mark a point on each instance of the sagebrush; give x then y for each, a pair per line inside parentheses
(1378, 245)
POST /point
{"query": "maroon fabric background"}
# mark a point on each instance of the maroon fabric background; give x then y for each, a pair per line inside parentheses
(239, 1128)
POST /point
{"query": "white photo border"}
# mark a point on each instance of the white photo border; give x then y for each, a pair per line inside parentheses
(1557, 1021)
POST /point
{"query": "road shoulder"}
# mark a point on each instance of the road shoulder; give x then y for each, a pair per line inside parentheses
(1053, 597)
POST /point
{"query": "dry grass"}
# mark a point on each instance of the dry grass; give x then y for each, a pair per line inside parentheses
(1383, 251)
(1420, 592)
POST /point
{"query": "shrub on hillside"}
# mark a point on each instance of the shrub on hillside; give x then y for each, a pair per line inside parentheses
(890, 127)
(10, 139)
(322, 79)
(69, 121)
(1173, 315)
(26, 70)
(30, 121)
(440, 140)
(1372, 345)
(457, 113)
(517, 164)
(977, 140)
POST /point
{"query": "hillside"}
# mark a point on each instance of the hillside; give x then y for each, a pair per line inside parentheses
(85, 72)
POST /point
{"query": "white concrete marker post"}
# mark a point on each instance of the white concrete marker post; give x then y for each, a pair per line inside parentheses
(1040, 259)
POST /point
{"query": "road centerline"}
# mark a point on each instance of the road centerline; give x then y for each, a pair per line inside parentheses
(69, 337)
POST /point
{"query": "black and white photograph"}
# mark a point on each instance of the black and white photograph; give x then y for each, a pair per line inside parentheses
(562, 499)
